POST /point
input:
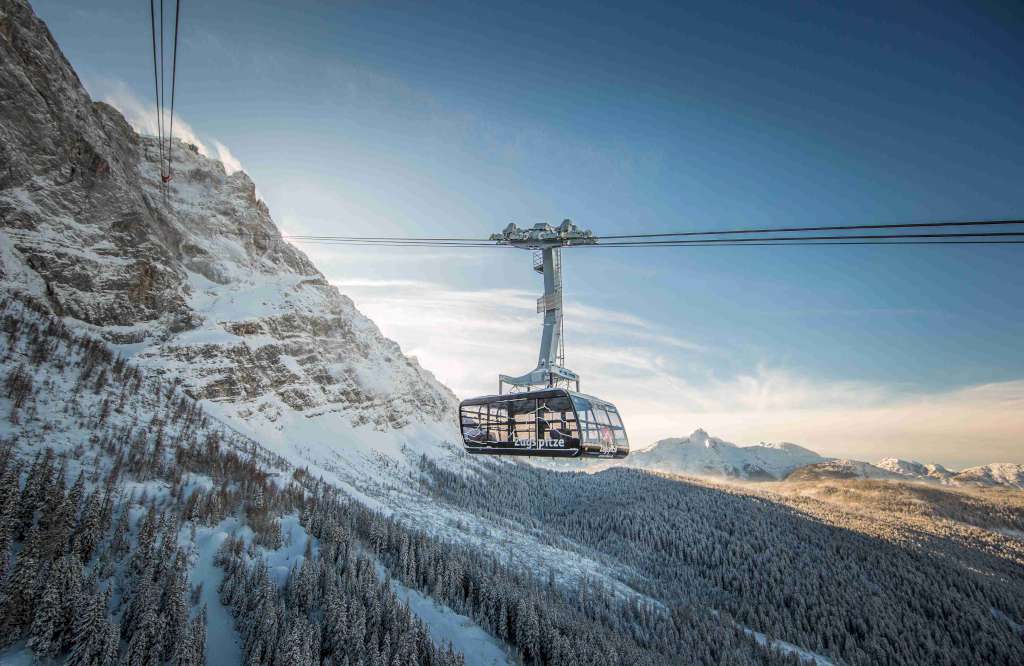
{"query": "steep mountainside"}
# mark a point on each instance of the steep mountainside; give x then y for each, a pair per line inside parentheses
(197, 284)
(703, 454)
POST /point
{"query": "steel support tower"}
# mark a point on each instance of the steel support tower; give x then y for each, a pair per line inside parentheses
(546, 242)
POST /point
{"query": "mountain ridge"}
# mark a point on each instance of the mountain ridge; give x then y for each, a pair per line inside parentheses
(1008, 475)
(702, 454)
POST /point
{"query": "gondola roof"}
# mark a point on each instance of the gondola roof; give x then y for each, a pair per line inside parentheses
(541, 393)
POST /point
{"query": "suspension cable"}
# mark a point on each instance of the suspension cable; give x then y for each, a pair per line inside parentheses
(852, 227)
(711, 241)
(163, 77)
(989, 237)
(174, 81)
(156, 86)
(164, 120)
(832, 240)
(683, 237)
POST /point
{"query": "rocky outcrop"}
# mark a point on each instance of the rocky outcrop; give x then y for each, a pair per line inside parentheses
(193, 281)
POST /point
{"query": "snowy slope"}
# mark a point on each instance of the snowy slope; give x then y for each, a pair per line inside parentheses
(703, 454)
(196, 283)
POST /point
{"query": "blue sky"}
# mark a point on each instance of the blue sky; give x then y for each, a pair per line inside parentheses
(456, 118)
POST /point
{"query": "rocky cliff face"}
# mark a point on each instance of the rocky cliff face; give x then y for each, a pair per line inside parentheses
(196, 283)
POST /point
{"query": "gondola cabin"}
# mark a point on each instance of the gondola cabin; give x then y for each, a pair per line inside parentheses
(553, 422)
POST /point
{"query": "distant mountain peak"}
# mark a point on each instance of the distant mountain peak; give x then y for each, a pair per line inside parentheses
(699, 436)
(703, 454)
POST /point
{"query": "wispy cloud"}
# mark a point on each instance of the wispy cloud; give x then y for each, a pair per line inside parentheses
(142, 116)
(227, 158)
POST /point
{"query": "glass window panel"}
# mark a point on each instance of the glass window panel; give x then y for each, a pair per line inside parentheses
(582, 404)
(558, 404)
(588, 426)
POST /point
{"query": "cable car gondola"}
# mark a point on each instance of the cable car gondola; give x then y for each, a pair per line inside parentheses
(543, 413)
(554, 422)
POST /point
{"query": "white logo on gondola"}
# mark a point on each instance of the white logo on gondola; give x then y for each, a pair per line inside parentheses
(539, 443)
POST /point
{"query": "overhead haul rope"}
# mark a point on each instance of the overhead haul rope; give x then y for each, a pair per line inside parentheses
(683, 239)
(174, 81)
(928, 239)
(740, 241)
(165, 154)
(680, 237)
(156, 85)
(753, 243)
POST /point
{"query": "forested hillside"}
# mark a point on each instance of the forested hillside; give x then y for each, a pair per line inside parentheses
(114, 483)
(854, 597)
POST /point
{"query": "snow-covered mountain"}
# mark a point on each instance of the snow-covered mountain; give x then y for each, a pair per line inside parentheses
(196, 285)
(895, 469)
(702, 454)
(914, 469)
(995, 474)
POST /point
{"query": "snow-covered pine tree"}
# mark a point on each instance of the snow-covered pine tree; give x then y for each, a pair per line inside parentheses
(90, 630)
(89, 531)
(21, 588)
(43, 637)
